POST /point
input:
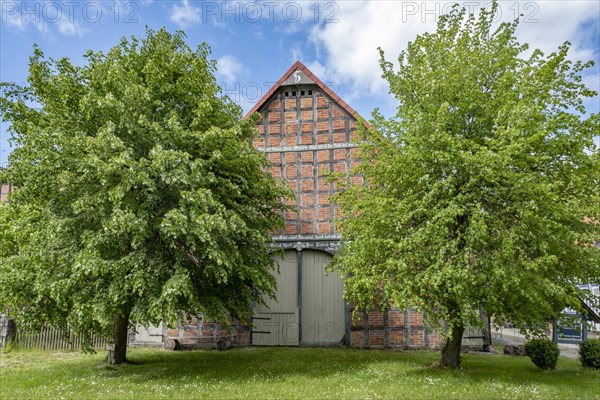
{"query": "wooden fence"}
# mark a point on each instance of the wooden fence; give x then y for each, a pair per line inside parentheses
(50, 338)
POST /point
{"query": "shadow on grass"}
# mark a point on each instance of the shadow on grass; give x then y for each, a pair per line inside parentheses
(516, 371)
(248, 364)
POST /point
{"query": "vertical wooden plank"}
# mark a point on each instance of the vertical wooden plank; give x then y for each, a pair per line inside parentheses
(279, 318)
(299, 290)
(323, 307)
(310, 323)
(311, 297)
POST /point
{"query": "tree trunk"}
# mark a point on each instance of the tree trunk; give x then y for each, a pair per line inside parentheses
(451, 350)
(117, 353)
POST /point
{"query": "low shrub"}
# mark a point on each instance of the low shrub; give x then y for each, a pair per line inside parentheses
(543, 353)
(589, 353)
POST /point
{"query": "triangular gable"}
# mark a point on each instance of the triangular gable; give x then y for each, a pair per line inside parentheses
(299, 74)
(298, 77)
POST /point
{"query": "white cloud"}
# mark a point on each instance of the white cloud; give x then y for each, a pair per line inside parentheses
(319, 70)
(70, 28)
(556, 23)
(348, 48)
(296, 53)
(350, 45)
(13, 18)
(43, 20)
(185, 15)
(228, 68)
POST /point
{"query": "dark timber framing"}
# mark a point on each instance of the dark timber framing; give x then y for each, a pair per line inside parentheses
(323, 238)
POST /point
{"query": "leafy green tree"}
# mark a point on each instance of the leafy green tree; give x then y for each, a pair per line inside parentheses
(139, 195)
(483, 191)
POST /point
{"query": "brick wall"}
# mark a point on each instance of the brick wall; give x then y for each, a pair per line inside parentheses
(394, 329)
(305, 136)
(5, 189)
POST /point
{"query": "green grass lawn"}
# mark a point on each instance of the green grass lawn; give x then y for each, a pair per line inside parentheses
(288, 373)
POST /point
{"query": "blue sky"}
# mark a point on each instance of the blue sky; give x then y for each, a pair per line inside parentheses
(254, 42)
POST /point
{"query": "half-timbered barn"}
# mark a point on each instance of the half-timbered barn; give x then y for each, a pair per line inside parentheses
(307, 131)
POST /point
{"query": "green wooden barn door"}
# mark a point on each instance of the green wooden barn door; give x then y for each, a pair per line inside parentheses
(323, 318)
(277, 323)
